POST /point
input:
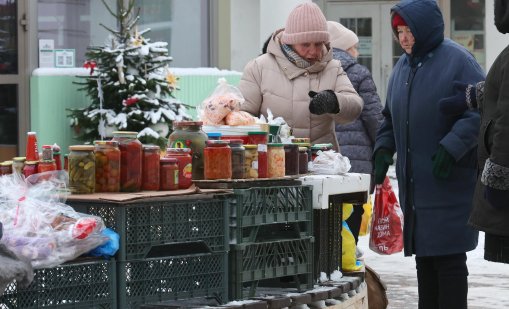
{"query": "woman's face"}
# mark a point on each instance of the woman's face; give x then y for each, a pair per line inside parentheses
(406, 38)
(311, 52)
(353, 51)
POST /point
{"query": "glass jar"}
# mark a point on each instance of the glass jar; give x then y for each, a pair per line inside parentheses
(214, 135)
(317, 147)
(169, 174)
(32, 151)
(301, 140)
(188, 134)
(303, 160)
(58, 161)
(66, 162)
(308, 149)
(130, 160)
(81, 169)
(17, 165)
(218, 160)
(291, 159)
(30, 168)
(238, 158)
(6, 168)
(47, 153)
(107, 166)
(276, 160)
(251, 161)
(151, 156)
(46, 166)
(263, 161)
(185, 164)
(257, 137)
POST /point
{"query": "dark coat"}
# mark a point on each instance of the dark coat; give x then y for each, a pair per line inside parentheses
(494, 148)
(356, 140)
(436, 211)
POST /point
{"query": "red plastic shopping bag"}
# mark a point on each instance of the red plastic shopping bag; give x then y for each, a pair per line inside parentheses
(386, 235)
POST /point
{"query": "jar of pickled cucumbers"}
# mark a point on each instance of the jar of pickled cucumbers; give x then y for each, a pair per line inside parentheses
(107, 166)
(81, 169)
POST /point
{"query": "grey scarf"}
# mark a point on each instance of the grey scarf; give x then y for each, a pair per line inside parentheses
(294, 57)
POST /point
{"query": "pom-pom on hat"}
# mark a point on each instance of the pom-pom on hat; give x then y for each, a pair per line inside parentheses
(397, 20)
(340, 36)
(305, 24)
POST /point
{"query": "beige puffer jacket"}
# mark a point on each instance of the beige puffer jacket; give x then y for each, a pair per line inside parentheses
(271, 81)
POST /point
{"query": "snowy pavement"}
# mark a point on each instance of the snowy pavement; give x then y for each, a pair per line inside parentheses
(488, 282)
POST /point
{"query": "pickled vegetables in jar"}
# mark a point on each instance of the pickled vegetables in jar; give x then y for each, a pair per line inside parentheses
(217, 160)
(276, 160)
(150, 170)
(251, 161)
(130, 160)
(107, 166)
(185, 165)
(81, 169)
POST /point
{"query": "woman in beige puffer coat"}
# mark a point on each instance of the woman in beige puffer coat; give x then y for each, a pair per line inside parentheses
(298, 79)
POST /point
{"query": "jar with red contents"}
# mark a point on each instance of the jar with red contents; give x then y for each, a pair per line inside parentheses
(218, 160)
(151, 156)
(169, 174)
(185, 165)
(107, 166)
(319, 147)
(6, 168)
(291, 159)
(130, 160)
(189, 134)
(30, 168)
(263, 161)
(303, 160)
(46, 166)
(257, 137)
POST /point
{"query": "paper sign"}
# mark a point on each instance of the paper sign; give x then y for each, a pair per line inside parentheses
(46, 54)
(64, 58)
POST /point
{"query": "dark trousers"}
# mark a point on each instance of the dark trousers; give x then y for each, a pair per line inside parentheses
(354, 221)
(442, 281)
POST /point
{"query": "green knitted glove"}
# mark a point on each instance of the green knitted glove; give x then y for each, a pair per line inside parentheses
(383, 158)
(443, 163)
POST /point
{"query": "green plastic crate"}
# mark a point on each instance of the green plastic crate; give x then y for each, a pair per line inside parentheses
(253, 210)
(89, 284)
(163, 225)
(171, 278)
(251, 264)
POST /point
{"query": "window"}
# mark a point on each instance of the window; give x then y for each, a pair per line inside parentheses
(467, 26)
(75, 24)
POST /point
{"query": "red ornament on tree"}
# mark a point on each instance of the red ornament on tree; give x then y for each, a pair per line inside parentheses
(130, 101)
(90, 65)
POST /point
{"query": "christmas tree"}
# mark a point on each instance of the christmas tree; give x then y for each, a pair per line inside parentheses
(130, 85)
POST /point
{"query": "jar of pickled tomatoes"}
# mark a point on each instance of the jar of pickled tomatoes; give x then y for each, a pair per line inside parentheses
(169, 174)
(151, 156)
(218, 160)
(130, 160)
(107, 166)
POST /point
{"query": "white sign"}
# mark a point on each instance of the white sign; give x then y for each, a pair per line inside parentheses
(365, 46)
(64, 58)
(46, 53)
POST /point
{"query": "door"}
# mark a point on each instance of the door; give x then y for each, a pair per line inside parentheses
(377, 46)
(14, 112)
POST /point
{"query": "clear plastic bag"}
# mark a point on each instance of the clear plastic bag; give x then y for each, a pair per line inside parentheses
(223, 100)
(329, 163)
(38, 225)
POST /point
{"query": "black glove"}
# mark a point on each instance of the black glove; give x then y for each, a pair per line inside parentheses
(323, 102)
(443, 163)
(383, 158)
(463, 99)
(496, 197)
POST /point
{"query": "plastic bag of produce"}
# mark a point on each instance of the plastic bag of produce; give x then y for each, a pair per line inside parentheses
(38, 225)
(225, 99)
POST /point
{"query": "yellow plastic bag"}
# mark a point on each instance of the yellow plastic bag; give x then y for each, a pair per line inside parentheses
(366, 218)
(348, 257)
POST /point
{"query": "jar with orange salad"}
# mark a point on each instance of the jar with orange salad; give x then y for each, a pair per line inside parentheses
(276, 160)
(130, 160)
(107, 166)
(217, 160)
(169, 174)
(185, 165)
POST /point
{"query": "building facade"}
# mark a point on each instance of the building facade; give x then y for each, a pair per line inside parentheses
(200, 33)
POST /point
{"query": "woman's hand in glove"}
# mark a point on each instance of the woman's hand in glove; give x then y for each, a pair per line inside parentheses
(383, 158)
(443, 163)
(464, 98)
(323, 102)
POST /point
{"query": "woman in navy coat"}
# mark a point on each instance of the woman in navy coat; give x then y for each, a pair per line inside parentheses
(436, 153)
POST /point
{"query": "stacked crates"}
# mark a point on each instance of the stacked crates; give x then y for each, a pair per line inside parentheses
(169, 249)
(84, 284)
(271, 242)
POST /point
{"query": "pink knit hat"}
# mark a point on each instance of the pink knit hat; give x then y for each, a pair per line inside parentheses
(340, 36)
(305, 24)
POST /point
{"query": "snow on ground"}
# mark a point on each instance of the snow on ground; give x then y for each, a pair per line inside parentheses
(488, 281)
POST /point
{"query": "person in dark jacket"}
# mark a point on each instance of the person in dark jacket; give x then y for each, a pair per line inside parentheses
(436, 164)
(491, 198)
(356, 140)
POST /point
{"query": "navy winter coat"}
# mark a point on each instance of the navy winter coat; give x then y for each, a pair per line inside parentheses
(356, 139)
(436, 211)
